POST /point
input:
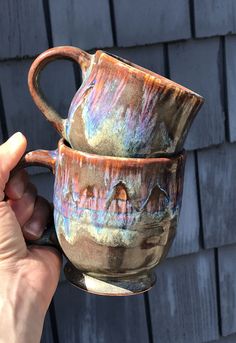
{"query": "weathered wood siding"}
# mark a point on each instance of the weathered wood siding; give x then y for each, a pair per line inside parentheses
(192, 42)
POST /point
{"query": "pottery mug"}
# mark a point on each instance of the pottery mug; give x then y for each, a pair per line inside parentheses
(121, 109)
(115, 218)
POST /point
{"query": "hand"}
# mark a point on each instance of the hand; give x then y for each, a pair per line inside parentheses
(29, 276)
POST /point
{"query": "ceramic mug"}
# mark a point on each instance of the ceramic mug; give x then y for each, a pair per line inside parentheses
(121, 109)
(115, 218)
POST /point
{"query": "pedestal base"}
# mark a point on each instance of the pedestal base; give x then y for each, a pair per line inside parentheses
(110, 286)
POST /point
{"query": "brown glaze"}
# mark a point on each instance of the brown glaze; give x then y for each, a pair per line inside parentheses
(115, 218)
(120, 109)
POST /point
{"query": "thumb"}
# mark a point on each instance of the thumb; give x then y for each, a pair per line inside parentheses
(10, 153)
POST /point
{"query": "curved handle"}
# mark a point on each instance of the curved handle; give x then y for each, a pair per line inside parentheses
(66, 52)
(41, 158)
(45, 159)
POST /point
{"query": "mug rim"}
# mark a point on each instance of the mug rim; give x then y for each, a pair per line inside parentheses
(63, 145)
(162, 79)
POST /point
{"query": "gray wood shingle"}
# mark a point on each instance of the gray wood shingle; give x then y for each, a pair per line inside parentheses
(227, 281)
(2, 119)
(87, 318)
(228, 339)
(20, 111)
(217, 191)
(21, 114)
(214, 17)
(150, 57)
(85, 23)
(1, 139)
(187, 235)
(23, 28)
(47, 336)
(138, 22)
(58, 85)
(183, 302)
(195, 64)
(230, 52)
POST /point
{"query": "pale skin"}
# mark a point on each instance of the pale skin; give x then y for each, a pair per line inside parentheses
(28, 275)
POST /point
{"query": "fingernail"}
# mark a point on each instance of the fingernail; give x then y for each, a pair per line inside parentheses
(18, 139)
(17, 135)
(33, 230)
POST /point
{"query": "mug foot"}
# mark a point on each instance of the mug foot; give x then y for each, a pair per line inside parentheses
(110, 286)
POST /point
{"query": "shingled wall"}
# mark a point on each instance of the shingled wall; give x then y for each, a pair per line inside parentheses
(194, 43)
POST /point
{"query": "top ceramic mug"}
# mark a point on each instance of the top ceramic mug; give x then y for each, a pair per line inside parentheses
(121, 109)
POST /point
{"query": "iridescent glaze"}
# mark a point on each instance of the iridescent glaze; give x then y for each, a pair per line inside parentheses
(115, 218)
(120, 109)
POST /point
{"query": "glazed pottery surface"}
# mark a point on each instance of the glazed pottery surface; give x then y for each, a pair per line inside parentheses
(120, 109)
(115, 218)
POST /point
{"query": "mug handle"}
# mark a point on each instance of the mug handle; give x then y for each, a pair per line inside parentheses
(47, 159)
(62, 52)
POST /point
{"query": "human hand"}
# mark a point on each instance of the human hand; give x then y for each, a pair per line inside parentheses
(29, 275)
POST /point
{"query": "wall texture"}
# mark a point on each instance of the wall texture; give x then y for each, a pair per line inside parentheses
(193, 43)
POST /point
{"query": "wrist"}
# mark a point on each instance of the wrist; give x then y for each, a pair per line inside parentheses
(21, 315)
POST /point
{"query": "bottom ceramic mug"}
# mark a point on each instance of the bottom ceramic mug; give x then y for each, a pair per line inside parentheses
(115, 218)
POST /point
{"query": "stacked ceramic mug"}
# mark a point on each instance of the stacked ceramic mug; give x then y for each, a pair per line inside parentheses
(118, 169)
